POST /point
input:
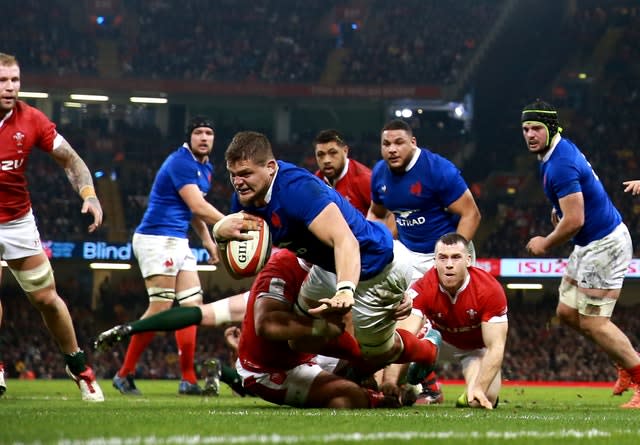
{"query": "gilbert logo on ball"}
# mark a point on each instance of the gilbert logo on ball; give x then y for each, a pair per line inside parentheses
(247, 258)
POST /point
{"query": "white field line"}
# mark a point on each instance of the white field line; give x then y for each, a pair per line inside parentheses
(277, 439)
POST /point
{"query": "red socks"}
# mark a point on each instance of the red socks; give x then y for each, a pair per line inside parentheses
(137, 345)
(635, 374)
(186, 340)
(422, 351)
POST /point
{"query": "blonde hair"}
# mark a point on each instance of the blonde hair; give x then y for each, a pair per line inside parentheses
(7, 60)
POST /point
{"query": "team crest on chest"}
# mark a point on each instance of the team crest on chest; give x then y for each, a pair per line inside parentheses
(471, 313)
(19, 138)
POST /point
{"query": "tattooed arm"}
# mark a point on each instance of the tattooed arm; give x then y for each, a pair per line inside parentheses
(80, 179)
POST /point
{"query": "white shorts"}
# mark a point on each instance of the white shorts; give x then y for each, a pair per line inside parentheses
(602, 264)
(20, 238)
(288, 387)
(162, 255)
(450, 353)
(375, 299)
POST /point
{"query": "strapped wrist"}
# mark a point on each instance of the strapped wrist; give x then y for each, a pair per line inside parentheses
(346, 285)
(86, 192)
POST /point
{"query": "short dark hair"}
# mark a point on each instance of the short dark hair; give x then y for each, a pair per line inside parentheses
(453, 238)
(249, 146)
(330, 135)
(398, 124)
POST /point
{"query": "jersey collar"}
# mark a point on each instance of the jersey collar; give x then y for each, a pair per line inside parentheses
(462, 288)
(7, 116)
(414, 159)
(554, 143)
(267, 197)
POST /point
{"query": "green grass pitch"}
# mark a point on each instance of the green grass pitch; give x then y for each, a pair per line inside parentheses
(51, 412)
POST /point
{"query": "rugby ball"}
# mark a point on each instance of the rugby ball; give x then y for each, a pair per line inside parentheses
(247, 258)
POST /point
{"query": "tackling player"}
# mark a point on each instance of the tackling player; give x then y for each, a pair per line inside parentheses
(268, 365)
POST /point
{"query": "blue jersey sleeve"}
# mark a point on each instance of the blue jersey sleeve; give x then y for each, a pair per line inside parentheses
(564, 177)
(451, 185)
(377, 181)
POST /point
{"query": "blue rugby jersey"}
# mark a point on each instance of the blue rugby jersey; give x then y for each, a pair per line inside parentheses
(419, 197)
(297, 197)
(167, 214)
(565, 171)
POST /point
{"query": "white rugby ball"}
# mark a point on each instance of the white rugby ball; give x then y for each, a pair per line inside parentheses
(247, 258)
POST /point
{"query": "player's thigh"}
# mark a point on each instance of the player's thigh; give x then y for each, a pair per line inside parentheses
(160, 255)
(602, 264)
(286, 387)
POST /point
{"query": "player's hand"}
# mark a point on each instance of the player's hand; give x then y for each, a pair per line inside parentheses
(632, 186)
(92, 205)
(403, 310)
(232, 337)
(212, 250)
(537, 245)
(478, 399)
(340, 303)
(235, 226)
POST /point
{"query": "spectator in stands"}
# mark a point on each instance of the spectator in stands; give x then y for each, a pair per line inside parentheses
(23, 128)
(583, 212)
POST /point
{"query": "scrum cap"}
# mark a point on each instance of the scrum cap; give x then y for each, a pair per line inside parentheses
(197, 122)
(543, 113)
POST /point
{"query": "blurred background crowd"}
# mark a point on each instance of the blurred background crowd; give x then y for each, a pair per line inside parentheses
(585, 60)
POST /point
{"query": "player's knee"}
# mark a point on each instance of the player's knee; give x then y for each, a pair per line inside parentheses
(595, 306)
(190, 297)
(33, 280)
(566, 314)
(161, 294)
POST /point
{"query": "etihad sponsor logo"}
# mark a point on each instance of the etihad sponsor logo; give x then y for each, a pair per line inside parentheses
(404, 218)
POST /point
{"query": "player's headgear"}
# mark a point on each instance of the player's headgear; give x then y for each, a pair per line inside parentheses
(197, 122)
(543, 113)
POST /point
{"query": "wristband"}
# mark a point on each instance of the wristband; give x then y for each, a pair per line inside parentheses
(346, 285)
(319, 327)
(87, 192)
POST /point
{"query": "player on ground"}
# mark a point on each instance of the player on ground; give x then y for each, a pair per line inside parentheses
(582, 212)
(22, 128)
(351, 257)
(270, 368)
(469, 307)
